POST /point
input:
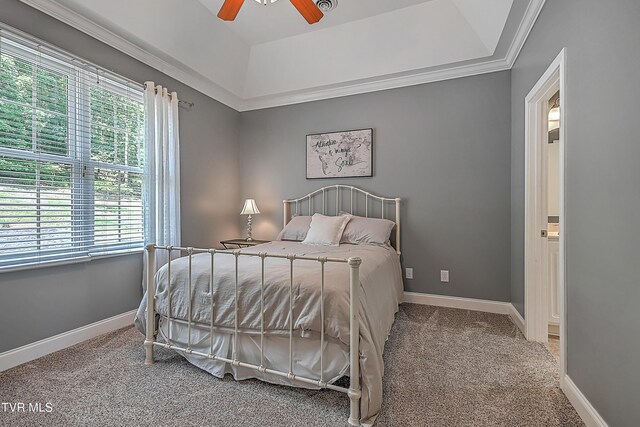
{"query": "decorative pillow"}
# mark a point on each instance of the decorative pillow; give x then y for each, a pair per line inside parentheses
(296, 229)
(367, 231)
(326, 230)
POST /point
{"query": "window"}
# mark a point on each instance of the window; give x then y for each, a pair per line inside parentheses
(71, 157)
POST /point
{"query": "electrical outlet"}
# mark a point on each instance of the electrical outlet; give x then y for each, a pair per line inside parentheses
(444, 276)
(408, 273)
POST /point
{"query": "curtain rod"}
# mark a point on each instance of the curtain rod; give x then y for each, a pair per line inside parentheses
(185, 104)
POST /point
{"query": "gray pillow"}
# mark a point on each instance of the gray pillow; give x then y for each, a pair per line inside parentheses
(367, 231)
(296, 229)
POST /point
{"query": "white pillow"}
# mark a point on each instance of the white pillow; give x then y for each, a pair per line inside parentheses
(296, 229)
(367, 231)
(326, 230)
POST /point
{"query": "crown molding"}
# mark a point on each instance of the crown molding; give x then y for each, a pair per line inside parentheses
(415, 78)
(381, 83)
(522, 33)
(182, 74)
(217, 92)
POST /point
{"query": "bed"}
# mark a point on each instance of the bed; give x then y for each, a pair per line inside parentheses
(284, 312)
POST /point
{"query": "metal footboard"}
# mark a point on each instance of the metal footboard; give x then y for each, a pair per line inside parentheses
(354, 390)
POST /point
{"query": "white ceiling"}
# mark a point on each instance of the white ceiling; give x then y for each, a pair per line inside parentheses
(416, 37)
(271, 56)
(257, 23)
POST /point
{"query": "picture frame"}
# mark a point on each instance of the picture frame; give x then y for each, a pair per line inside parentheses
(342, 154)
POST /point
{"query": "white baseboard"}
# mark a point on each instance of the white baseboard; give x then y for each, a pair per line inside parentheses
(32, 351)
(487, 306)
(517, 319)
(587, 412)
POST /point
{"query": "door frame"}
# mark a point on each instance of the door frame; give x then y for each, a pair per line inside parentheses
(536, 251)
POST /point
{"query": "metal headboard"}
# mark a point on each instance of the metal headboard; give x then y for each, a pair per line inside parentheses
(352, 192)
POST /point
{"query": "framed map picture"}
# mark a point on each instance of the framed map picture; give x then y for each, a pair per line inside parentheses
(340, 154)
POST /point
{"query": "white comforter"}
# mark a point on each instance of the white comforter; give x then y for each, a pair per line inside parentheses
(379, 296)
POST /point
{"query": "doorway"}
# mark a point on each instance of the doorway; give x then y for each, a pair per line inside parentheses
(545, 221)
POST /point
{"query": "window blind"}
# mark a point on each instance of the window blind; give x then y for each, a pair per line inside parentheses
(71, 157)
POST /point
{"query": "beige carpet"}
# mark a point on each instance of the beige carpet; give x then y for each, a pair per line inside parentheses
(444, 367)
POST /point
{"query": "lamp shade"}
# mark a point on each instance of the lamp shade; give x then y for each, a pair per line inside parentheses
(250, 208)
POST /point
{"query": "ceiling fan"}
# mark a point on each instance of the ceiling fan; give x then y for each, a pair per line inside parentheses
(307, 9)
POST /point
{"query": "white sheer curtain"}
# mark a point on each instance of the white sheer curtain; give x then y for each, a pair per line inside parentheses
(162, 167)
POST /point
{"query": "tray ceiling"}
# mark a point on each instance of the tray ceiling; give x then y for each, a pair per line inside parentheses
(257, 23)
(270, 56)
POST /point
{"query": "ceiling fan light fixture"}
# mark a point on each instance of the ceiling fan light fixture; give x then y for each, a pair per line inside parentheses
(307, 8)
(326, 5)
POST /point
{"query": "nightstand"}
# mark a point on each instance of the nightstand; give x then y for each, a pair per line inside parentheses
(242, 243)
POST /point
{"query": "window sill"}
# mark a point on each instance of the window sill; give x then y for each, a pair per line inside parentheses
(78, 260)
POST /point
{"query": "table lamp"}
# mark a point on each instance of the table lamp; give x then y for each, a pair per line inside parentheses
(250, 208)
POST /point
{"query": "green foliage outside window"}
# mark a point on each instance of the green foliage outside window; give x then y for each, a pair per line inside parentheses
(37, 117)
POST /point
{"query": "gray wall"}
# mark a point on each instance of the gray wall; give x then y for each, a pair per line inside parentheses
(442, 147)
(40, 303)
(451, 150)
(603, 200)
(36, 304)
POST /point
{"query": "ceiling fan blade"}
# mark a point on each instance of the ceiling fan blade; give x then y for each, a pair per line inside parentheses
(230, 9)
(308, 10)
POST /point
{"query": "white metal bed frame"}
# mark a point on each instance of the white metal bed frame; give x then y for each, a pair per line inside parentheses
(353, 195)
(354, 391)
